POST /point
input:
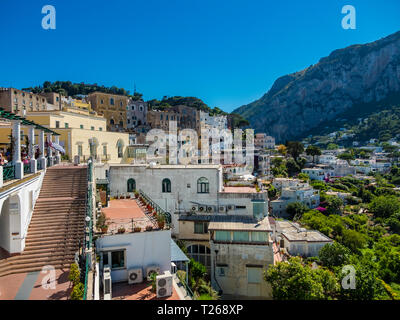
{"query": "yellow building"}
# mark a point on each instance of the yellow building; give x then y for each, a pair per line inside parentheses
(112, 106)
(84, 135)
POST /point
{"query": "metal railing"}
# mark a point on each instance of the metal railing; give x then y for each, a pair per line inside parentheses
(27, 168)
(88, 226)
(187, 288)
(157, 208)
(8, 172)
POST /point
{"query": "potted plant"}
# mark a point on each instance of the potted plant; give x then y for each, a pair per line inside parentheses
(121, 230)
(137, 229)
(154, 213)
(161, 221)
(149, 228)
(136, 194)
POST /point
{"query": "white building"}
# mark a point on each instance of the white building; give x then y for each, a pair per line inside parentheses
(263, 141)
(299, 241)
(135, 251)
(241, 249)
(301, 193)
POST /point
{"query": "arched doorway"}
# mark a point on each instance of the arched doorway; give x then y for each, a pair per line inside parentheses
(131, 185)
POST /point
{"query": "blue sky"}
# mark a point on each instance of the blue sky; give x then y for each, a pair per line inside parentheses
(226, 52)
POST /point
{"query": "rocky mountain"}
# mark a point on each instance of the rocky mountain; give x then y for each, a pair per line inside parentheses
(347, 83)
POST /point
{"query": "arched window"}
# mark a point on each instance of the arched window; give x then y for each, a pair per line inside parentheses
(112, 101)
(120, 146)
(131, 185)
(112, 121)
(166, 185)
(203, 185)
(200, 254)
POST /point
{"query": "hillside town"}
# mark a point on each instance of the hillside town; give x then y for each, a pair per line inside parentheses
(83, 204)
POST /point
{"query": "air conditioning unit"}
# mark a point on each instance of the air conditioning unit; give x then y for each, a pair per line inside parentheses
(150, 270)
(221, 209)
(194, 208)
(174, 269)
(135, 276)
(202, 208)
(210, 209)
(164, 285)
(230, 207)
(107, 284)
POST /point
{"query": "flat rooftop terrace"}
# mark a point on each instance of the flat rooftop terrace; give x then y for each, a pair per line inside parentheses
(127, 214)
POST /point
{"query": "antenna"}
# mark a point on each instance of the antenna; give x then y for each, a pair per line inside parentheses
(134, 87)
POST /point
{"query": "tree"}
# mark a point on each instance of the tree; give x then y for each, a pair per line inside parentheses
(367, 284)
(353, 240)
(334, 205)
(292, 167)
(313, 151)
(346, 156)
(303, 177)
(334, 255)
(332, 146)
(294, 148)
(296, 210)
(196, 271)
(384, 206)
(294, 281)
(282, 149)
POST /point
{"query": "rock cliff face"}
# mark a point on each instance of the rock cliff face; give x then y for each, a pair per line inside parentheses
(299, 102)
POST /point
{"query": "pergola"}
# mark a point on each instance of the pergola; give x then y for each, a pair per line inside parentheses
(6, 115)
(16, 169)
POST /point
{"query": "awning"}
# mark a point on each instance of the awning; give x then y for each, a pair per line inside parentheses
(176, 253)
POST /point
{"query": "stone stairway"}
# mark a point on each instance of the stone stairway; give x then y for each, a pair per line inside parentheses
(57, 223)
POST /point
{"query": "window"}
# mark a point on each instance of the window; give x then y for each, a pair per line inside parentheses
(91, 128)
(80, 150)
(166, 185)
(120, 147)
(200, 254)
(101, 101)
(131, 185)
(57, 124)
(100, 129)
(112, 101)
(222, 236)
(117, 259)
(120, 104)
(201, 227)
(203, 185)
(81, 126)
(241, 236)
(221, 271)
(66, 125)
(104, 150)
(259, 237)
(254, 275)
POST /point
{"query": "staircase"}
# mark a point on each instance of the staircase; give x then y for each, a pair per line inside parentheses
(57, 223)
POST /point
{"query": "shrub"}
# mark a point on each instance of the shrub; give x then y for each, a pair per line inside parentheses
(78, 292)
(74, 274)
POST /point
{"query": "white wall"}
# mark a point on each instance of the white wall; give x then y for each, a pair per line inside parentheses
(20, 199)
(143, 249)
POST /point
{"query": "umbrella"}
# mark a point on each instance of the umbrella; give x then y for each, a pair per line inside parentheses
(57, 147)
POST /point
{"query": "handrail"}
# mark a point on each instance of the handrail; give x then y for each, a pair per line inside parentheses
(157, 208)
(87, 242)
(188, 290)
